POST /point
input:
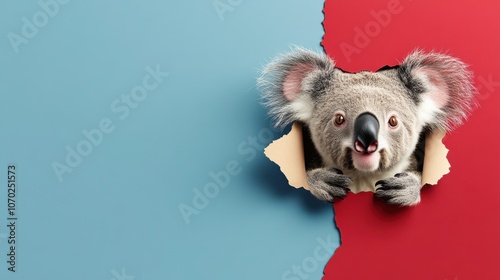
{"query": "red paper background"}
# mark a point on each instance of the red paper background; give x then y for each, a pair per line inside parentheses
(454, 234)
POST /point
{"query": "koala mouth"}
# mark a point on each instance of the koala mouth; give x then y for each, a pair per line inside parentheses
(367, 162)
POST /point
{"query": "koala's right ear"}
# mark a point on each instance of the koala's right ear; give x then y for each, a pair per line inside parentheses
(290, 83)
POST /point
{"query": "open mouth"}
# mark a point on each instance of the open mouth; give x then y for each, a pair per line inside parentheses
(365, 161)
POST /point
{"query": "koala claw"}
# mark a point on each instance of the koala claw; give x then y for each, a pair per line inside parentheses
(327, 184)
(402, 189)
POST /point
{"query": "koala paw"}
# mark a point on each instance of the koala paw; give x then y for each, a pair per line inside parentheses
(402, 189)
(326, 184)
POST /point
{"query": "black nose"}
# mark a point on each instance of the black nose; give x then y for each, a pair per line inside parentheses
(366, 133)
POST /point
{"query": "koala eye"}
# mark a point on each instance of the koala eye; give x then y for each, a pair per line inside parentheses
(393, 121)
(339, 119)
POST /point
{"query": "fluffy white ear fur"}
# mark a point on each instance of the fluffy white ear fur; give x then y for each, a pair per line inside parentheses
(302, 108)
(287, 83)
(292, 83)
(444, 85)
(300, 105)
(436, 96)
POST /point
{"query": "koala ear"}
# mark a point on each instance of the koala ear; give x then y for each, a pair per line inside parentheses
(441, 86)
(290, 83)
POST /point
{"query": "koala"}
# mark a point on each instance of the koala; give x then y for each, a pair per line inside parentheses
(366, 127)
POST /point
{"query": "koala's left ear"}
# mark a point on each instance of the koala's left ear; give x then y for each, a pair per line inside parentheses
(441, 86)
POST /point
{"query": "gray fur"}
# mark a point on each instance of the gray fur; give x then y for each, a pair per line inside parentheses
(273, 75)
(458, 80)
(403, 188)
(427, 91)
(329, 183)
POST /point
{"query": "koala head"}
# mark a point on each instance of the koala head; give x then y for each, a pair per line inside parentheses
(368, 121)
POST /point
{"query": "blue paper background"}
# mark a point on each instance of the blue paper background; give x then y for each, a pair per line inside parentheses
(116, 215)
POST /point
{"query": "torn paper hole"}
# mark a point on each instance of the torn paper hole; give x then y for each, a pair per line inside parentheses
(288, 153)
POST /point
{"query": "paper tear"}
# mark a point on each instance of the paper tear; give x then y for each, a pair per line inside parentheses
(436, 164)
(288, 153)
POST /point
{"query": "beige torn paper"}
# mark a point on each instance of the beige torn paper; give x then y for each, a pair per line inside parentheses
(288, 153)
(436, 164)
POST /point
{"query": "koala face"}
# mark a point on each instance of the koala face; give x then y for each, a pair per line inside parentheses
(365, 122)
